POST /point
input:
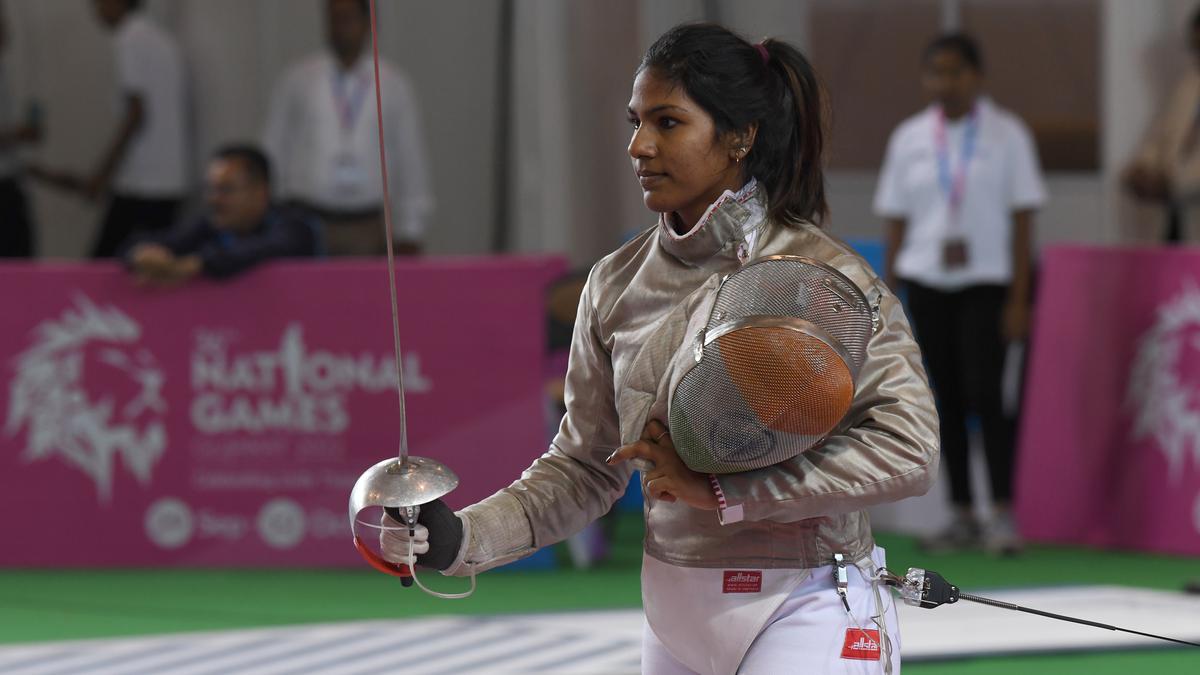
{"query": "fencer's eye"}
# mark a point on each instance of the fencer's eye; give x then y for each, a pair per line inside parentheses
(634, 122)
(668, 122)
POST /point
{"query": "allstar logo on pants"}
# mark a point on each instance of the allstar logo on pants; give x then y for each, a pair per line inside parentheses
(861, 644)
(742, 581)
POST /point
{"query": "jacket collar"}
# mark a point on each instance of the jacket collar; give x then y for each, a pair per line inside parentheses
(725, 224)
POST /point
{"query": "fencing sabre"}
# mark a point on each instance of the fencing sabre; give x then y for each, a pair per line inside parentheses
(928, 589)
(400, 485)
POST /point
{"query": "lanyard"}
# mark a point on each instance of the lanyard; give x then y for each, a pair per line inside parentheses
(349, 103)
(955, 186)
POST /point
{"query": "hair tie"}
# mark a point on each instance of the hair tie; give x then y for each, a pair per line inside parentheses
(762, 51)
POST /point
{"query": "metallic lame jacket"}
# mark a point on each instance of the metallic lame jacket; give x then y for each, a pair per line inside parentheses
(632, 319)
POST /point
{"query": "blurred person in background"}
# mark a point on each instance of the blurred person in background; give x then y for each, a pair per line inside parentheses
(1166, 169)
(958, 190)
(17, 238)
(143, 171)
(242, 227)
(321, 134)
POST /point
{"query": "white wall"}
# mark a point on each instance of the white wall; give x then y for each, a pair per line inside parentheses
(570, 183)
(1143, 53)
(571, 187)
(235, 51)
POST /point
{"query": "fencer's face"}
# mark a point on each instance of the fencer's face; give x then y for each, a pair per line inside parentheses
(950, 81)
(681, 162)
(348, 27)
(236, 202)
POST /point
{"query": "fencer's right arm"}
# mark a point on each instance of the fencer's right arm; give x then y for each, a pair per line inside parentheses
(570, 485)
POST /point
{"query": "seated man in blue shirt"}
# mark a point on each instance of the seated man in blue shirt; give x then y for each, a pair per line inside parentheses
(241, 229)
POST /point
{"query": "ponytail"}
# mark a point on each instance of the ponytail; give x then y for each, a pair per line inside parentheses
(792, 163)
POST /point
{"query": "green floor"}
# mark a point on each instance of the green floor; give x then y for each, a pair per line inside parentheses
(39, 605)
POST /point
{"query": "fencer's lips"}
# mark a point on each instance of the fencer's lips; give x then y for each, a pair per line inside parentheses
(649, 178)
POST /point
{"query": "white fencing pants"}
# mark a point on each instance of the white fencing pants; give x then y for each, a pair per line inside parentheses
(808, 633)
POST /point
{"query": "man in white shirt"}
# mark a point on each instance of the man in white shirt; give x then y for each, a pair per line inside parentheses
(144, 169)
(958, 190)
(321, 133)
(16, 228)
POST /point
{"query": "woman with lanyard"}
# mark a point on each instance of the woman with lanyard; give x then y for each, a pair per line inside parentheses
(958, 190)
(738, 573)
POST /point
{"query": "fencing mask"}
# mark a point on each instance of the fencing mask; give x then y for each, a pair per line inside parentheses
(773, 366)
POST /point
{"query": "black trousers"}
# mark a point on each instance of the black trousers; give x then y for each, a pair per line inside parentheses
(16, 228)
(130, 216)
(960, 336)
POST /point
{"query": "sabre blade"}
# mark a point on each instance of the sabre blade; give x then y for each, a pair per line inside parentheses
(387, 228)
(1062, 617)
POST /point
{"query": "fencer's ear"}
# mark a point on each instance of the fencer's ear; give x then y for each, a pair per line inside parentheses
(742, 142)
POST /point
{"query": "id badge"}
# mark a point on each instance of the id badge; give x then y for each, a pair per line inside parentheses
(348, 175)
(954, 254)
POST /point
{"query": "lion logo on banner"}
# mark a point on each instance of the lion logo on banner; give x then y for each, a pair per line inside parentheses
(1164, 384)
(88, 429)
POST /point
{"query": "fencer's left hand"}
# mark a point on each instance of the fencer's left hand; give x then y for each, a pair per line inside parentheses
(670, 480)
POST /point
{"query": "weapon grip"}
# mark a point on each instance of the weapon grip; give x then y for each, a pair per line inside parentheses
(405, 573)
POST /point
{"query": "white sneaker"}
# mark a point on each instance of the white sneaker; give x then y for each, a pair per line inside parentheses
(1000, 537)
(963, 534)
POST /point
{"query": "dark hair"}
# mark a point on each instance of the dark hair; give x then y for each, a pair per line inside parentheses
(253, 160)
(732, 81)
(960, 43)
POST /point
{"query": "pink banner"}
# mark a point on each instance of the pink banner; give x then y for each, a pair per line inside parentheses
(225, 423)
(1110, 440)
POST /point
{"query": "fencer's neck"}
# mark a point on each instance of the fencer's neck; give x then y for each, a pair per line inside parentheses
(677, 225)
(717, 232)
